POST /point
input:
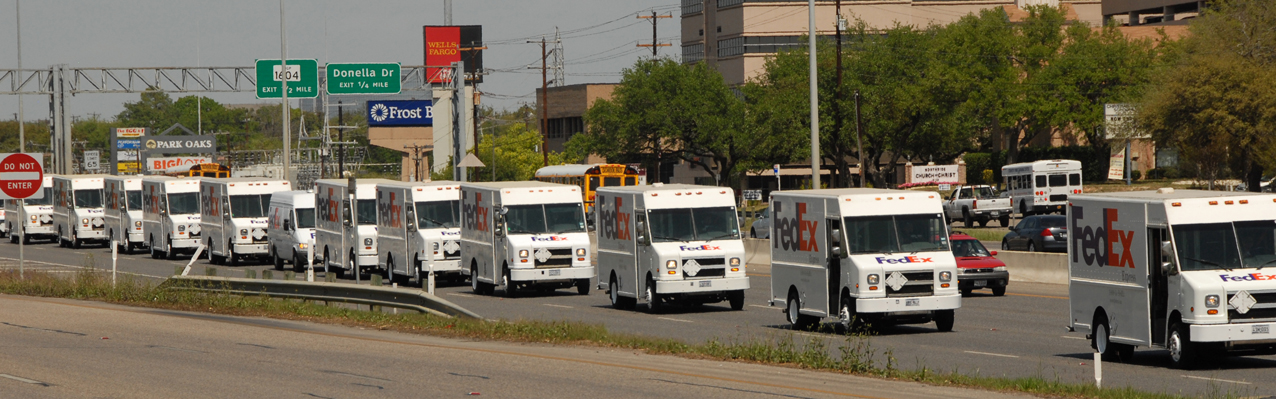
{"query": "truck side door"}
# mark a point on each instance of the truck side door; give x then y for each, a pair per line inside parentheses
(645, 261)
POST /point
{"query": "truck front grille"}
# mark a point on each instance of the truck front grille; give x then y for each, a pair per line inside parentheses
(707, 268)
(920, 283)
(1263, 310)
(560, 257)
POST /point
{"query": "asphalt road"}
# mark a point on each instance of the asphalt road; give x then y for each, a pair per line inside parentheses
(1021, 334)
(54, 348)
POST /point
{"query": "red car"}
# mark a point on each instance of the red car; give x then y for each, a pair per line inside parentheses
(976, 266)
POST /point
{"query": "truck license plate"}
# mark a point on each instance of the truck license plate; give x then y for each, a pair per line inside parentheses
(980, 283)
(913, 302)
(706, 283)
(555, 272)
(1261, 329)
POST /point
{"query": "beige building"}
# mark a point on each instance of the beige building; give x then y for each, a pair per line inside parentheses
(736, 36)
(567, 106)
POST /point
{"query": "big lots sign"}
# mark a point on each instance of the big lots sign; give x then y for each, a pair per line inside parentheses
(162, 164)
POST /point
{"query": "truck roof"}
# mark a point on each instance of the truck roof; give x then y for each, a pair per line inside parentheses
(514, 184)
(431, 183)
(843, 192)
(361, 182)
(1160, 195)
(240, 180)
(658, 187)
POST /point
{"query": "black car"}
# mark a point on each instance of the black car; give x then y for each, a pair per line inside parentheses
(1038, 233)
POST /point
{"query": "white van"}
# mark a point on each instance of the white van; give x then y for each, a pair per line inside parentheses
(1042, 186)
(524, 234)
(418, 229)
(77, 210)
(37, 212)
(291, 228)
(345, 233)
(170, 215)
(669, 243)
(862, 253)
(233, 216)
(123, 210)
(1190, 271)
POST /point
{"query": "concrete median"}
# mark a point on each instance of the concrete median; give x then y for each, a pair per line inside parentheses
(1036, 267)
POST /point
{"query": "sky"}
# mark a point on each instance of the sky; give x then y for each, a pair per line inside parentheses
(226, 33)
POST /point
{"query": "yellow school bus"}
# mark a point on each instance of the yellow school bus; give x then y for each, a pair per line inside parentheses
(590, 177)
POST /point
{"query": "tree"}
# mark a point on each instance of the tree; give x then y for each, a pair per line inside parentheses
(1214, 100)
(153, 109)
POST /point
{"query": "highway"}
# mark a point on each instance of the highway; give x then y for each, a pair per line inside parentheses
(1021, 334)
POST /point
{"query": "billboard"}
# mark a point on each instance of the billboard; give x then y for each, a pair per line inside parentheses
(179, 144)
(400, 113)
(131, 132)
(447, 44)
(174, 163)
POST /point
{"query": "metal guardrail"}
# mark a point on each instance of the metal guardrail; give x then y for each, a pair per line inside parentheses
(321, 291)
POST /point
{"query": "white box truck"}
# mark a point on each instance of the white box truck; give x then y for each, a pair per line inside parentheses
(233, 216)
(522, 235)
(667, 243)
(123, 210)
(291, 228)
(862, 254)
(1190, 271)
(418, 229)
(77, 210)
(170, 215)
(32, 219)
(345, 231)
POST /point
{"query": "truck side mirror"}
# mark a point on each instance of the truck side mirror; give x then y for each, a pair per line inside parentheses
(1167, 250)
(642, 239)
(287, 225)
(837, 252)
(499, 223)
(345, 212)
(642, 228)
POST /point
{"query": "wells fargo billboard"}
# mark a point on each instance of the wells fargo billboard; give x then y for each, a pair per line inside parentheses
(447, 44)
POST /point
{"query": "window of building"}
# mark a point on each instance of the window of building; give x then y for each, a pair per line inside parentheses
(693, 53)
(692, 6)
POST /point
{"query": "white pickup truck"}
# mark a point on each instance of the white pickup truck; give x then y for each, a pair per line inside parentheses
(981, 204)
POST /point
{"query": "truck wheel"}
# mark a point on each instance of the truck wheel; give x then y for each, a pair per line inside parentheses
(654, 304)
(944, 320)
(966, 291)
(1182, 350)
(279, 262)
(171, 254)
(999, 291)
(1005, 220)
(510, 290)
(736, 299)
(846, 315)
(613, 293)
(582, 286)
(231, 258)
(475, 285)
(154, 252)
(26, 239)
(799, 321)
(75, 240)
(1100, 340)
(965, 217)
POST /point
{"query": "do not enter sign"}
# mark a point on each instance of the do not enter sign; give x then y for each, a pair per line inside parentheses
(21, 176)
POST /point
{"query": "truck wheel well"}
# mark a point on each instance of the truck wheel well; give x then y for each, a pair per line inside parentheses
(1099, 314)
(1175, 317)
(846, 292)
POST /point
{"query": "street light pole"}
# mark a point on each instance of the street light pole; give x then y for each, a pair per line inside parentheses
(22, 131)
(815, 103)
(283, 68)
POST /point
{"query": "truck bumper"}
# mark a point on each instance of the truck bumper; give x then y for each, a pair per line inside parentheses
(135, 238)
(246, 249)
(91, 234)
(441, 266)
(968, 281)
(368, 260)
(1235, 332)
(702, 286)
(907, 304)
(556, 274)
(190, 243)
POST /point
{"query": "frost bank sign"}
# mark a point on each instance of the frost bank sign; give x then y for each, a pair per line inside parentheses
(934, 173)
(400, 113)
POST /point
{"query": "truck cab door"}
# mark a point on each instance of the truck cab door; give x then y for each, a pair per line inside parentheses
(835, 250)
(1159, 269)
(645, 257)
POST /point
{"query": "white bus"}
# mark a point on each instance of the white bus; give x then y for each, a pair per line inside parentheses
(1042, 186)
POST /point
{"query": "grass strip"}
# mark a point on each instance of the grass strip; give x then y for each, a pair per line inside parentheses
(853, 355)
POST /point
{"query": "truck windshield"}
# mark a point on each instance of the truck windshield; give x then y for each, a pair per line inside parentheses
(183, 203)
(1214, 246)
(134, 198)
(896, 233)
(47, 200)
(249, 206)
(305, 218)
(88, 198)
(437, 214)
(547, 218)
(689, 224)
(367, 212)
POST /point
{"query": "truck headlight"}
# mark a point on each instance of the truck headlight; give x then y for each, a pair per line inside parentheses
(85, 221)
(32, 218)
(522, 253)
(672, 264)
(945, 276)
(436, 246)
(243, 232)
(580, 252)
(873, 279)
(301, 246)
(367, 241)
(181, 227)
(735, 261)
(137, 224)
(1211, 301)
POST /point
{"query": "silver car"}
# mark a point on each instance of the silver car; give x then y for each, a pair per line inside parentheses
(762, 225)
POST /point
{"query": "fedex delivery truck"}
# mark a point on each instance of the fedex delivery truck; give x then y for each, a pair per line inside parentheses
(418, 229)
(77, 210)
(668, 243)
(171, 215)
(867, 254)
(233, 217)
(1190, 271)
(291, 228)
(31, 218)
(524, 235)
(123, 210)
(346, 228)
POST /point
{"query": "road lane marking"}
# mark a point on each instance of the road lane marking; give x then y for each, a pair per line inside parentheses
(20, 379)
(1037, 296)
(97, 269)
(991, 354)
(764, 307)
(1214, 379)
(558, 306)
(678, 320)
(1072, 337)
(462, 295)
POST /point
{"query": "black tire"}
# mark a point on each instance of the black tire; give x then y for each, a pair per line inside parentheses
(654, 304)
(353, 265)
(1004, 220)
(154, 252)
(753, 233)
(298, 263)
(26, 239)
(475, 284)
(966, 291)
(846, 315)
(999, 291)
(510, 290)
(736, 299)
(1100, 336)
(1032, 247)
(171, 254)
(965, 218)
(231, 258)
(1005, 245)
(613, 293)
(582, 286)
(797, 320)
(944, 320)
(279, 262)
(1183, 352)
(75, 240)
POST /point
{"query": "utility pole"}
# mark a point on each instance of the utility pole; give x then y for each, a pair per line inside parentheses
(22, 131)
(544, 100)
(341, 139)
(655, 44)
(416, 158)
(447, 12)
(814, 101)
(837, 90)
(283, 68)
(859, 148)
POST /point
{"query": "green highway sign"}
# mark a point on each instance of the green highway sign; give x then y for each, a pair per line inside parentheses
(302, 75)
(363, 78)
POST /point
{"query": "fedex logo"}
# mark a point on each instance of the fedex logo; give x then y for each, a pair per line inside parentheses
(615, 224)
(392, 208)
(906, 259)
(475, 214)
(1097, 246)
(794, 234)
(1248, 277)
(550, 238)
(700, 248)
